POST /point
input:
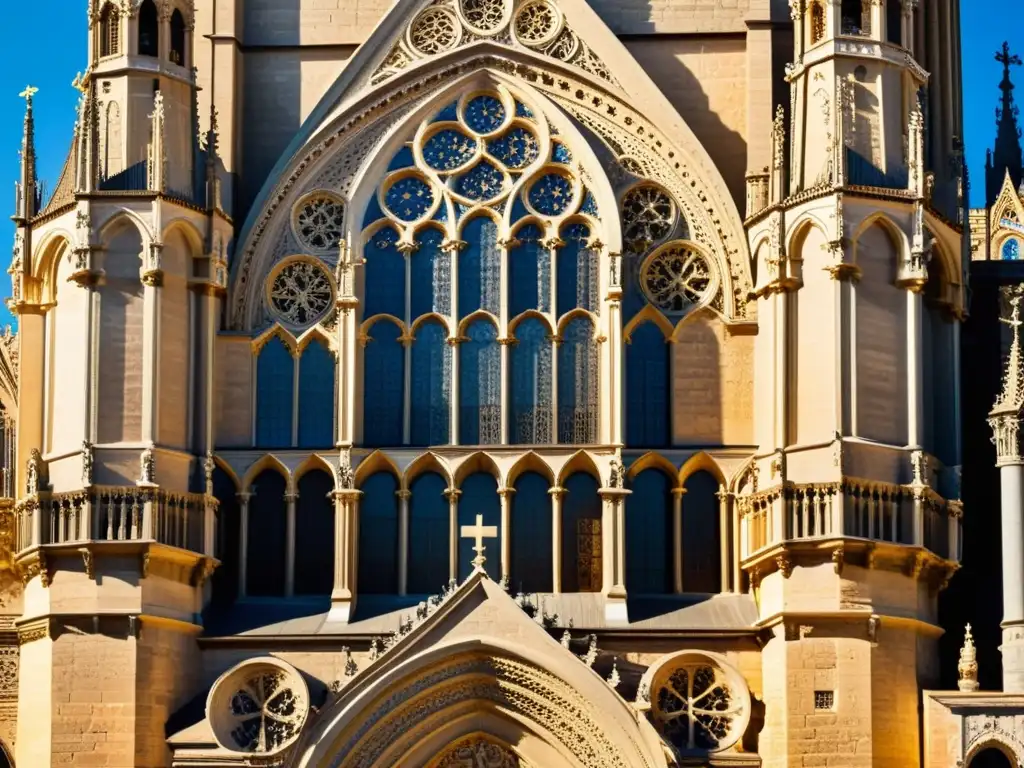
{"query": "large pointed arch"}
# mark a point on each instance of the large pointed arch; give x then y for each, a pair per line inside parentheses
(358, 109)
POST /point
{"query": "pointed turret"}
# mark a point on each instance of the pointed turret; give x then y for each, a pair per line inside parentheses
(1007, 155)
(27, 202)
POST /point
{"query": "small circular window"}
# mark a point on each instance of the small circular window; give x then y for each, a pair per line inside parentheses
(258, 707)
(319, 221)
(300, 292)
(1011, 250)
(648, 215)
(676, 278)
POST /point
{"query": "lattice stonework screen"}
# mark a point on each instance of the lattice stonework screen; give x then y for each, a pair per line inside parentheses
(588, 543)
(483, 230)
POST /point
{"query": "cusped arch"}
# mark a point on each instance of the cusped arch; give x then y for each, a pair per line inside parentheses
(275, 331)
(653, 460)
(515, 322)
(1009, 747)
(378, 461)
(581, 461)
(702, 461)
(267, 461)
(649, 314)
(427, 462)
(316, 332)
(571, 315)
(480, 314)
(479, 461)
(229, 471)
(529, 462)
(312, 462)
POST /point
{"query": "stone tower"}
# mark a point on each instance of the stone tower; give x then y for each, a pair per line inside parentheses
(852, 521)
(114, 514)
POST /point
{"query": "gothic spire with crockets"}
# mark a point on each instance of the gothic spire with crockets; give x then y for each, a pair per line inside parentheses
(1007, 155)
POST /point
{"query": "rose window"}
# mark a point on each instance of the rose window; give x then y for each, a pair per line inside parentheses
(677, 278)
(484, 16)
(537, 23)
(482, 182)
(319, 223)
(516, 149)
(436, 30)
(485, 114)
(551, 194)
(409, 198)
(301, 293)
(448, 149)
(648, 214)
(700, 707)
(258, 707)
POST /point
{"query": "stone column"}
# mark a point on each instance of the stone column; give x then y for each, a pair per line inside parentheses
(677, 539)
(613, 547)
(452, 494)
(556, 538)
(346, 537)
(724, 506)
(403, 540)
(289, 546)
(915, 366)
(243, 540)
(152, 279)
(506, 531)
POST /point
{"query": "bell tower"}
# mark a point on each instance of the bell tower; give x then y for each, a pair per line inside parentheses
(850, 512)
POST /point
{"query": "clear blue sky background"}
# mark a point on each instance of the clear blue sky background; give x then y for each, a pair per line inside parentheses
(48, 53)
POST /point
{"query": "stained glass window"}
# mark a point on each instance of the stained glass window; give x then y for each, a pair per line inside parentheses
(516, 149)
(551, 194)
(378, 535)
(484, 114)
(314, 534)
(560, 153)
(430, 391)
(265, 548)
(480, 267)
(648, 417)
(649, 544)
(581, 535)
(480, 385)
(385, 275)
(529, 271)
(481, 183)
(383, 385)
(701, 553)
(480, 497)
(577, 383)
(316, 396)
(448, 149)
(429, 529)
(1011, 250)
(409, 198)
(431, 275)
(577, 271)
(531, 567)
(532, 407)
(275, 388)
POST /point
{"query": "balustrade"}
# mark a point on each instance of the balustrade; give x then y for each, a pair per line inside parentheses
(876, 511)
(113, 514)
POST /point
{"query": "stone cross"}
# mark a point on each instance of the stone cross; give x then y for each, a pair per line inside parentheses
(28, 93)
(479, 532)
(1004, 57)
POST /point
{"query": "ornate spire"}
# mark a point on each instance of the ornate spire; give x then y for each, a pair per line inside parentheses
(967, 669)
(1007, 155)
(1004, 417)
(28, 201)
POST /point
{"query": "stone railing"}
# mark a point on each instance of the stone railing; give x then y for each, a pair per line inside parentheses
(113, 514)
(896, 514)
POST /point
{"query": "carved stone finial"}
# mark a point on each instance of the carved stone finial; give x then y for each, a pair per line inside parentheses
(614, 679)
(33, 472)
(591, 655)
(147, 467)
(566, 639)
(967, 668)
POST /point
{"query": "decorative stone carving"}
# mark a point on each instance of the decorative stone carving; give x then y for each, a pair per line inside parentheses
(435, 30)
(86, 463)
(300, 292)
(147, 467)
(677, 278)
(9, 673)
(33, 472)
(648, 215)
(345, 478)
(967, 668)
(319, 221)
(478, 752)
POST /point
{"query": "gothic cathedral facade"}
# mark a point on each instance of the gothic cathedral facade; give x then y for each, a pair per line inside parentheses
(488, 383)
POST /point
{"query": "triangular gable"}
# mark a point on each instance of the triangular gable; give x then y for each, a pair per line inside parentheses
(581, 74)
(1008, 207)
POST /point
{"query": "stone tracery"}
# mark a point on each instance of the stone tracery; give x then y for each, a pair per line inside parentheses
(300, 292)
(319, 222)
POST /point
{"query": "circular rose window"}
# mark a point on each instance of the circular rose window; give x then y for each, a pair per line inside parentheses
(300, 292)
(698, 704)
(319, 222)
(648, 215)
(258, 707)
(677, 278)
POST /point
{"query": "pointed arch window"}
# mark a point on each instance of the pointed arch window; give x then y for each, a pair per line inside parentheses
(275, 391)
(314, 534)
(578, 383)
(383, 385)
(480, 268)
(648, 412)
(316, 396)
(378, 535)
(385, 275)
(480, 385)
(480, 497)
(532, 413)
(531, 567)
(267, 534)
(227, 540)
(429, 530)
(430, 289)
(577, 271)
(430, 389)
(894, 21)
(701, 542)
(529, 267)
(581, 535)
(110, 31)
(649, 534)
(149, 29)
(177, 52)
(817, 13)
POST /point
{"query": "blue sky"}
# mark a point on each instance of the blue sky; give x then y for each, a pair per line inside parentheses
(27, 55)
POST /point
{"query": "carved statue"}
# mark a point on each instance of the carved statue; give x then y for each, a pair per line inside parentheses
(617, 474)
(208, 466)
(33, 472)
(967, 669)
(344, 477)
(147, 467)
(86, 463)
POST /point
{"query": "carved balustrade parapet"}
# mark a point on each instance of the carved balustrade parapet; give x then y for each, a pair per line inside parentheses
(911, 515)
(112, 514)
